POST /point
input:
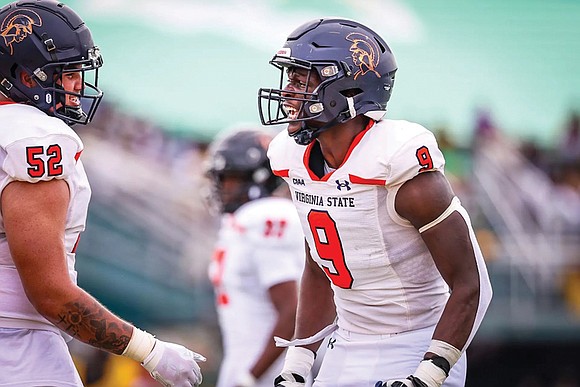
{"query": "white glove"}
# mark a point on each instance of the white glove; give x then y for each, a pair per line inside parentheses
(173, 365)
(297, 365)
(170, 364)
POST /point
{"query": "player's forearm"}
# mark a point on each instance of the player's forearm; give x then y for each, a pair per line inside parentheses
(284, 327)
(85, 319)
(270, 354)
(462, 266)
(316, 307)
(456, 322)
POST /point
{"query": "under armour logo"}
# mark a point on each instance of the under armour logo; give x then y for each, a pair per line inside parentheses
(340, 185)
(331, 342)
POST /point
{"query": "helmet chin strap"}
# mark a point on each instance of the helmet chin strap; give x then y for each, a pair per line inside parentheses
(307, 134)
(76, 113)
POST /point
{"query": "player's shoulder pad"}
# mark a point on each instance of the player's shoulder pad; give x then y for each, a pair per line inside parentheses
(271, 220)
(282, 150)
(409, 150)
(396, 133)
(38, 147)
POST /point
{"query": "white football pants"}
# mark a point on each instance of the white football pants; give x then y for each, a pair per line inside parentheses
(33, 357)
(357, 360)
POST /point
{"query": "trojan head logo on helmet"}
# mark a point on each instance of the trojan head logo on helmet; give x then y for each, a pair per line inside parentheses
(43, 40)
(240, 154)
(356, 69)
(365, 53)
(18, 25)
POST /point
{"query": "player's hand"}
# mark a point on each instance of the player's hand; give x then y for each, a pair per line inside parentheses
(297, 365)
(173, 365)
(411, 381)
(289, 379)
(430, 373)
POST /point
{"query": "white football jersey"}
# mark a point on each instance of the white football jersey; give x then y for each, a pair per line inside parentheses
(383, 276)
(260, 245)
(36, 147)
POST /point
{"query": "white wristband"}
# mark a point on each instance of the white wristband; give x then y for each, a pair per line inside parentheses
(445, 350)
(430, 374)
(140, 345)
(299, 360)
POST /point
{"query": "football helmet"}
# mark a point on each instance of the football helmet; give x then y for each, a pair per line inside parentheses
(240, 154)
(46, 39)
(356, 68)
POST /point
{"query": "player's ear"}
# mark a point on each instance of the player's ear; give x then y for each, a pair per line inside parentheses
(26, 79)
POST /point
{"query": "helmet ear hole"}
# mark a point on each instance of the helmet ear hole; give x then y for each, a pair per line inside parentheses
(351, 92)
(26, 79)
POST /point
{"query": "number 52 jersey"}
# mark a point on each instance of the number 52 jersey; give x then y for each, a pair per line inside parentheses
(35, 147)
(382, 274)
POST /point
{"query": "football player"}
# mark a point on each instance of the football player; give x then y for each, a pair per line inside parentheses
(48, 81)
(257, 259)
(391, 253)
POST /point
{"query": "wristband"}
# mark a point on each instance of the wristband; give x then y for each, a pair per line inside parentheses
(299, 360)
(140, 345)
(430, 374)
(445, 350)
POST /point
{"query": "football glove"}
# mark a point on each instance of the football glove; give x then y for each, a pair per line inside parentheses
(170, 364)
(411, 381)
(289, 379)
(173, 365)
(297, 365)
(430, 373)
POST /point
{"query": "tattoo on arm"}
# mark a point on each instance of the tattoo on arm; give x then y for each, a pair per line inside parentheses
(94, 325)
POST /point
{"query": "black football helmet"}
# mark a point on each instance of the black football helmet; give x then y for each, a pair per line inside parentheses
(356, 69)
(242, 154)
(46, 39)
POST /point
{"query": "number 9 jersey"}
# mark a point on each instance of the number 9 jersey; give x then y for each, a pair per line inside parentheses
(383, 276)
(35, 147)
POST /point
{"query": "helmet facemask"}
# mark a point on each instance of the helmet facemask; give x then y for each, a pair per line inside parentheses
(272, 100)
(51, 97)
(240, 158)
(273, 104)
(250, 186)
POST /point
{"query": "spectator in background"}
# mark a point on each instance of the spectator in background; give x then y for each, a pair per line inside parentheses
(387, 237)
(569, 147)
(257, 260)
(46, 58)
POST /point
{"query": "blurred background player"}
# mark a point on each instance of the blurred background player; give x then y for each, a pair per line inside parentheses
(257, 261)
(46, 58)
(408, 283)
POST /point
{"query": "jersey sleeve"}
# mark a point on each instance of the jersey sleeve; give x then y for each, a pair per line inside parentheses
(280, 151)
(418, 154)
(34, 159)
(278, 249)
